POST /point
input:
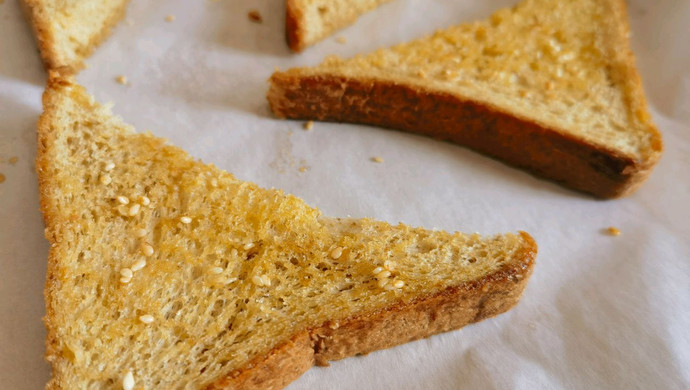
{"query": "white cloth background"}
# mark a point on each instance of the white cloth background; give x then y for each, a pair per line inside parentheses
(599, 312)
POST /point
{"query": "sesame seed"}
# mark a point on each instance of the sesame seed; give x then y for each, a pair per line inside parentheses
(383, 274)
(233, 252)
(146, 318)
(121, 79)
(377, 159)
(134, 210)
(266, 280)
(185, 220)
(248, 246)
(214, 182)
(389, 287)
(421, 74)
(216, 270)
(389, 265)
(614, 231)
(147, 249)
(109, 166)
(124, 280)
(126, 273)
(308, 125)
(123, 199)
(377, 270)
(229, 280)
(139, 264)
(128, 381)
(141, 232)
(170, 18)
(382, 282)
(398, 284)
(144, 200)
(105, 179)
(337, 252)
(256, 279)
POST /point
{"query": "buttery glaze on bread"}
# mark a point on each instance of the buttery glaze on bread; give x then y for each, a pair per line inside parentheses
(165, 272)
(549, 86)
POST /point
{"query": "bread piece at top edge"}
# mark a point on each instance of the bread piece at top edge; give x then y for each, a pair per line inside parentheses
(309, 21)
(67, 32)
(165, 271)
(548, 86)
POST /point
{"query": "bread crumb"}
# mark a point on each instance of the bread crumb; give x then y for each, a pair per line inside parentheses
(2, 178)
(613, 231)
(121, 79)
(303, 169)
(342, 40)
(13, 160)
(421, 74)
(377, 159)
(255, 16)
(308, 125)
(170, 18)
(128, 381)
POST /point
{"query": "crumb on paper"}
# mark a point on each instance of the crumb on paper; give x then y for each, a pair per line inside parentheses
(276, 69)
(342, 40)
(377, 159)
(170, 18)
(121, 79)
(613, 231)
(129, 22)
(255, 16)
(2, 178)
(303, 169)
(308, 125)
(13, 160)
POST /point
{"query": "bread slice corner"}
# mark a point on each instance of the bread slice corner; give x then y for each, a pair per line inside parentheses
(549, 86)
(309, 21)
(67, 31)
(166, 272)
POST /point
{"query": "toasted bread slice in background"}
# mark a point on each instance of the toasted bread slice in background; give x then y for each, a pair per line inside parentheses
(166, 272)
(309, 21)
(550, 86)
(67, 31)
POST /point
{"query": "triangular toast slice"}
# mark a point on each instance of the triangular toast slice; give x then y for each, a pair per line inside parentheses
(67, 31)
(549, 85)
(309, 21)
(165, 272)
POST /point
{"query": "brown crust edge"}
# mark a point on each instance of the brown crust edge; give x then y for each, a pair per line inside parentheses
(294, 33)
(546, 152)
(53, 225)
(400, 323)
(45, 40)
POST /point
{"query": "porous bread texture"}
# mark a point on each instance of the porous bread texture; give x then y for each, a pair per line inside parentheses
(561, 70)
(247, 287)
(67, 31)
(309, 21)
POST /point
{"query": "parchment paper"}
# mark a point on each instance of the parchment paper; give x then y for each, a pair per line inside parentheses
(599, 312)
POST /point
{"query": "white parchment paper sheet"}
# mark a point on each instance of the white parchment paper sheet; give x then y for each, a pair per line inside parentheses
(599, 312)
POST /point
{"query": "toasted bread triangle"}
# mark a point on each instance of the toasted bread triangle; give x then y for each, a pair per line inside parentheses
(68, 31)
(549, 85)
(170, 273)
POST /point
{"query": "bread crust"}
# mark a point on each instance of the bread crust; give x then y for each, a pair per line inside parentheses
(294, 33)
(519, 141)
(40, 21)
(400, 323)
